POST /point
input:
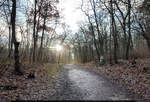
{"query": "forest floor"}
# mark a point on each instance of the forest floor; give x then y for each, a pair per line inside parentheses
(13, 87)
(48, 84)
(133, 77)
(77, 83)
(51, 82)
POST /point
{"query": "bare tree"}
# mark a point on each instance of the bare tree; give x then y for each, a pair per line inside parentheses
(16, 44)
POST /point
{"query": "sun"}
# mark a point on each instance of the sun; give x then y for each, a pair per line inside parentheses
(58, 48)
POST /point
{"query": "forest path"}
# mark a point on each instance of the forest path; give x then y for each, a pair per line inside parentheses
(81, 84)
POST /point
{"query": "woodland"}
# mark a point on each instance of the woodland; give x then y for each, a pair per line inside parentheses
(115, 38)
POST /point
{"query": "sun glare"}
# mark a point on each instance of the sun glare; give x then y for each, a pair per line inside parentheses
(58, 47)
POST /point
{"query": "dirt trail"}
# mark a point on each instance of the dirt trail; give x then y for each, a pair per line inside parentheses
(80, 84)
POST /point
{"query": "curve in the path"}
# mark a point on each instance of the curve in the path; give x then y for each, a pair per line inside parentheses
(80, 84)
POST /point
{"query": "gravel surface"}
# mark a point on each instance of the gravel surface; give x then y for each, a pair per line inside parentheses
(76, 83)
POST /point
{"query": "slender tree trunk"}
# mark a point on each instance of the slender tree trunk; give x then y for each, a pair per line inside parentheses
(10, 43)
(38, 23)
(115, 44)
(110, 48)
(16, 44)
(129, 31)
(98, 31)
(42, 38)
(27, 46)
(43, 31)
(125, 38)
(94, 39)
(114, 33)
(148, 44)
(34, 36)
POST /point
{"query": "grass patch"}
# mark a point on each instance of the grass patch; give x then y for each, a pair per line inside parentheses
(53, 69)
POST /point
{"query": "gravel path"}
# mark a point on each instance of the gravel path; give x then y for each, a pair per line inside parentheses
(76, 83)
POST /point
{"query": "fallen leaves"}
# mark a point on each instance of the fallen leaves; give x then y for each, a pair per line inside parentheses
(133, 78)
(38, 88)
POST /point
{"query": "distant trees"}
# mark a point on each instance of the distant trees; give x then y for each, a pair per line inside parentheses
(6, 14)
(112, 26)
(142, 17)
(44, 11)
(30, 29)
(114, 29)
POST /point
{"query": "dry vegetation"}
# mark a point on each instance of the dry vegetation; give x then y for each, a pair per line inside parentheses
(134, 78)
(24, 88)
(113, 29)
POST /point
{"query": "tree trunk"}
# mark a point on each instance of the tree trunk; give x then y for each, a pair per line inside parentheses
(98, 31)
(34, 36)
(94, 39)
(43, 31)
(129, 31)
(114, 33)
(16, 55)
(38, 22)
(16, 44)
(148, 44)
(110, 55)
(10, 43)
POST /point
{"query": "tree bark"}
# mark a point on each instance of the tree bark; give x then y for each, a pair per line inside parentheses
(94, 39)
(129, 31)
(97, 27)
(16, 44)
(10, 43)
(43, 31)
(34, 35)
(114, 33)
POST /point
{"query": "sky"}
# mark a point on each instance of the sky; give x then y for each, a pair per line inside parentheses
(71, 12)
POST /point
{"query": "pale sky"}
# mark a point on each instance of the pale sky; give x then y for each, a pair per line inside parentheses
(71, 12)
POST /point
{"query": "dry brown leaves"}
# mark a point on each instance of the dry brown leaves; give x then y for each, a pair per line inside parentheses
(27, 89)
(133, 78)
